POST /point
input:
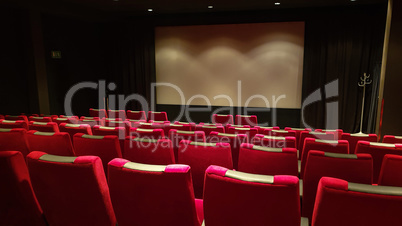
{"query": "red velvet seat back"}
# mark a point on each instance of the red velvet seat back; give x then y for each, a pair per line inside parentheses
(261, 129)
(17, 118)
(101, 113)
(147, 133)
(250, 132)
(71, 190)
(120, 132)
(268, 161)
(190, 124)
(125, 124)
(316, 135)
(152, 195)
(235, 140)
(298, 133)
(90, 122)
(44, 126)
(14, 140)
(391, 171)
(199, 156)
(18, 205)
(177, 135)
(182, 127)
(222, 119)
(157, 116)
(51, 143)
(7, 124)
(354, 138)
(236, 198)
(66, 120)
(339, 202)
(280, 133)
(337, 132)
(117, 114)
(353, 168)
(230, 125)
(332, 146)
(106, 147)
(72, 129)
(149, 151)
(39, 119)
(208, 129)
(250, 120)
(392, 139)
(274, 142)
(378, 151)
(136, 115)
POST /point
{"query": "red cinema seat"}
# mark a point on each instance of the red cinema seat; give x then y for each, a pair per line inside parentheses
(231, 125)
(250, 120)
(120, 132)
(333, 146)
(136, 115)
(117, 123)
(44, 126)
(1, 116)
(106, 147)
(133, 121)
(18, 205)
(339, 202)
(222, 119)
(71, 190)
(378, 151)
(39, 119)
(354, 138)
(268, 161)
(100, 113)
(51, 143)
(316, 135)
(72, 129)
(7, 124)
(90, 122)
(180, 127)
(250, 132)
(177, 135)
(117, 114)
(274, 142)
(338, 132)
(237, 198)
(69, 116)
(235, 140)
(17, 118)
(391, 171)
(157, 116)
(392, 139)
(199, 156)
(280, 133)
(89, 118)
(149, 151)
(153, 195)
(353, 168)
(298, 133)
(208, 129)
(14, 140)
(192, 125)
(261, 129)
(147, 133)
(65, 120)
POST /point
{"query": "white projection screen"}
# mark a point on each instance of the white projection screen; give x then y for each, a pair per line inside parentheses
(241, 65)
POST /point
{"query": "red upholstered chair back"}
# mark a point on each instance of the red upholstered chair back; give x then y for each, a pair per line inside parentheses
(267, 161)
(168, 126)
(7, 124)
(250, 132)
(44, 126)
(333, 146)
(191, 124)
(90, 122)
(106, 147)
(149, 151)
(337, 132)
(354, 138)
(222, 119)
(66, 120)
(250, 120)
(208, 129)
(14, 140)
(298, 133)
(316, 135)
(392, 139)
(117, 114)
(199, 156)
(177, 135)
(1, 116)
(237, 198)
(125, 124)
(136, 115)
(261, 129)
(280, 133)
(391, 171)
(18, 205)
(71, 190)
(39, 119)
(72, 129)
(17, 118)
(235, 140)
(165, 195)
(134, 121)
(120, 132)
(378, 151)
(339, 202)
(101, 113)
(274, 142)
(228, 126)
(350, 167)
(147, 133)
(157, 116)
(51, 143)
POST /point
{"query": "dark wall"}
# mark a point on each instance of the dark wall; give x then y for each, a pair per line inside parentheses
(392, 117)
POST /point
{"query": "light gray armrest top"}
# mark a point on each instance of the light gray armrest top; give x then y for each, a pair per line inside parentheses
(304, 221)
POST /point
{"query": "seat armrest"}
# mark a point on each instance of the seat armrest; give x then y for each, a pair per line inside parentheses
(304, 221)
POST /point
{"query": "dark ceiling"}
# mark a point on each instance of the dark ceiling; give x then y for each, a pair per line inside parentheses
(184, 6)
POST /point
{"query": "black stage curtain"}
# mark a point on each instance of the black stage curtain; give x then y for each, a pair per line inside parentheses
(342, 47)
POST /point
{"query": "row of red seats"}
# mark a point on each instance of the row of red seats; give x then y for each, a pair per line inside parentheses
(74, 191)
